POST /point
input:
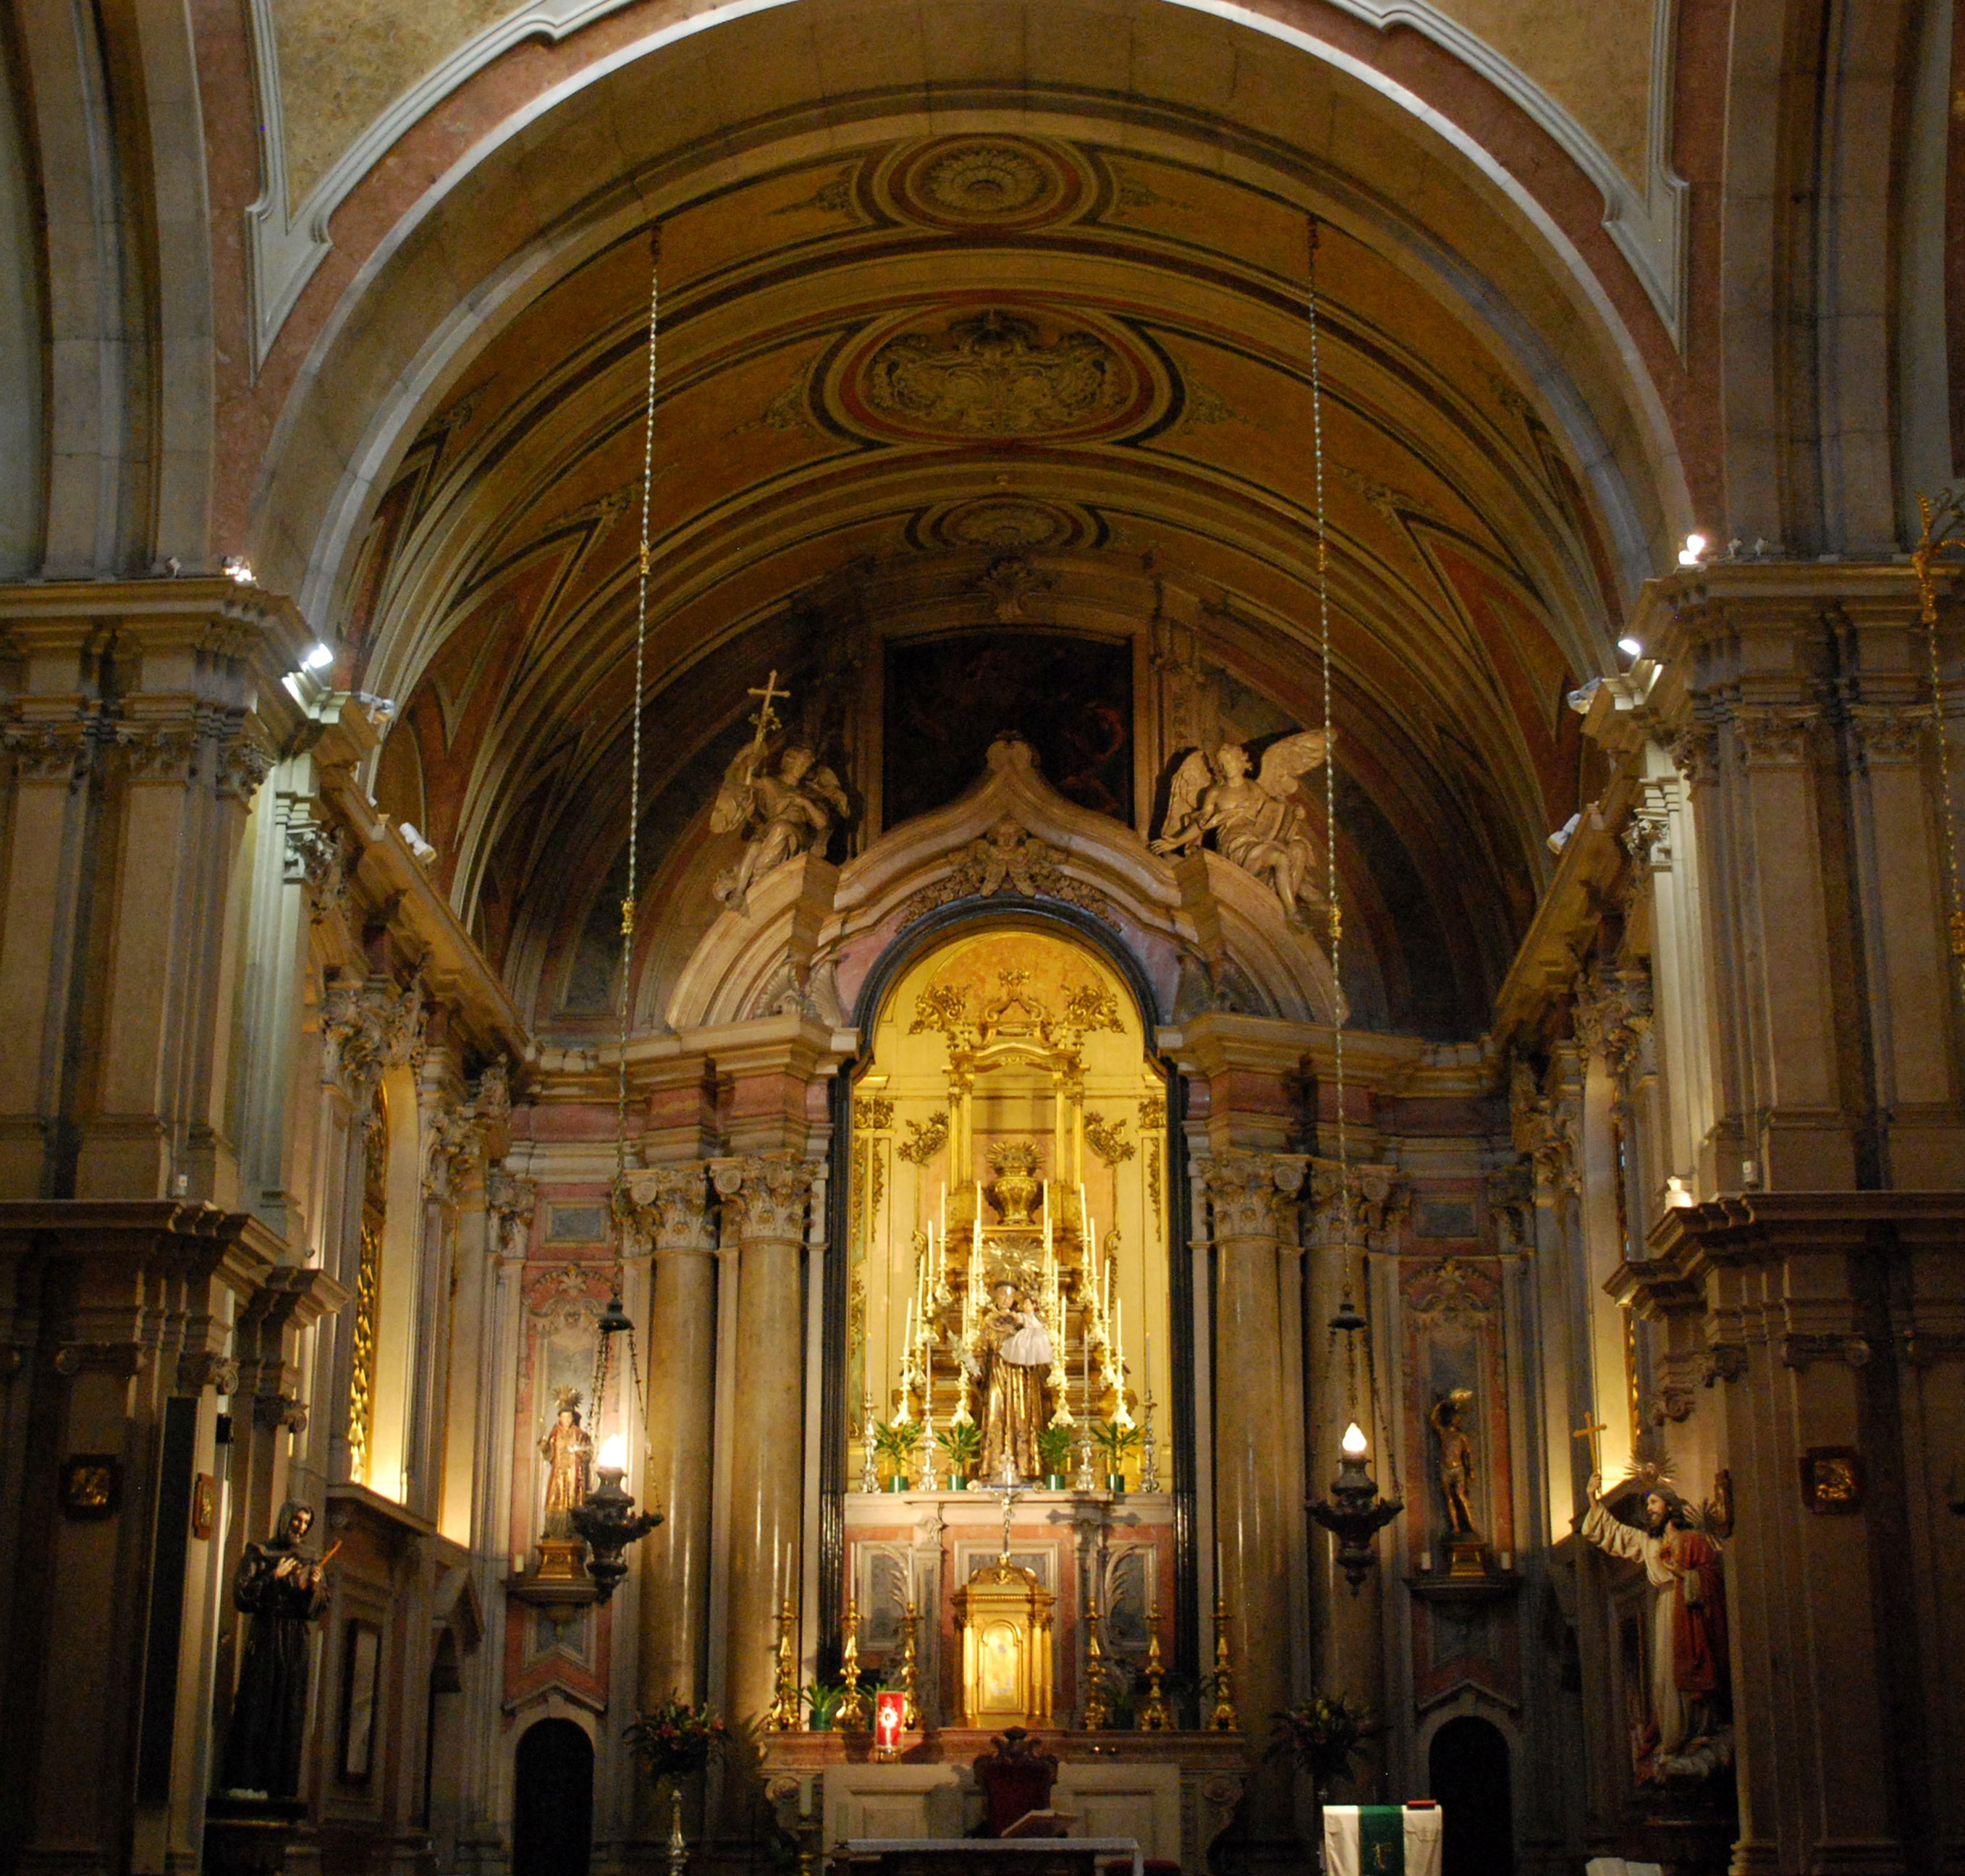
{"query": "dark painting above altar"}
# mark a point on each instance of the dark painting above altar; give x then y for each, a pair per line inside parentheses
(948, 699)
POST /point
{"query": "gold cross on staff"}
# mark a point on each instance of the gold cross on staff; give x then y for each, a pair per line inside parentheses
(766, 719)
(1591, 1429)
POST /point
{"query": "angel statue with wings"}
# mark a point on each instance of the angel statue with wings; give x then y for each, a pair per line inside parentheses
(781, 810)
(1259, 822)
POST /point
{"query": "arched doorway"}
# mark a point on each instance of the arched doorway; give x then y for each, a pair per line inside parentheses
(1467, 1769)
(552, 1801)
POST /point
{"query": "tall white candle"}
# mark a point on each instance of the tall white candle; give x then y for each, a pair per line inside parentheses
(1150, 1364)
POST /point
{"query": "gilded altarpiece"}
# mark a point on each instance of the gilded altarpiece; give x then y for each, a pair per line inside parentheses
(1009, 1128)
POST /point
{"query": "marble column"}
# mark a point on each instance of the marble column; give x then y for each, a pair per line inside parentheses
(1258, 1500)
(764, 1199)
(669, 1206)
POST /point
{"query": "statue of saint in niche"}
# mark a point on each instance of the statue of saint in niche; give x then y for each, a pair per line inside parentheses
(1018, 1358)
(279, 1585)
(782, 810)
(567, 1450)
(1456, 1460)
(1258, 823)
(1690, 1733)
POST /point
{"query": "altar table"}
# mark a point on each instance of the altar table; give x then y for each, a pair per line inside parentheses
(1382, 1839)
(985, 1856)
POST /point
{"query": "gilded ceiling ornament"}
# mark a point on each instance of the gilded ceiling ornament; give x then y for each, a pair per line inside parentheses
(1008, 526)
(1009, 860)
(996, 183)
(1108, 1139)
(1257, 823)
(994, 374)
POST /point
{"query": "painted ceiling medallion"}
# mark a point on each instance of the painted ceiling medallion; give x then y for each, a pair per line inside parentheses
(997, 372)
(1008, 526)
(997, 183)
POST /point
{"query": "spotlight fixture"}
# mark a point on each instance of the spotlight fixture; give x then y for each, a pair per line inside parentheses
(1693, 553)
(319, 657)
(237, 568)
(1631, 647)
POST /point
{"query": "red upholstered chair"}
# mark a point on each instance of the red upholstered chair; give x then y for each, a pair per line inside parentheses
(1015, 1777)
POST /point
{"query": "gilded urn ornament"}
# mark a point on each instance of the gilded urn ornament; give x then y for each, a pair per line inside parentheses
(1016, 1189)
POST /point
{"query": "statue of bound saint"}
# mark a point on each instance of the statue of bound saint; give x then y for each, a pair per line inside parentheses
(278, 1586)
(1456, 1460)
(1018, 1358)
(1689, 1735)
(567, 1450)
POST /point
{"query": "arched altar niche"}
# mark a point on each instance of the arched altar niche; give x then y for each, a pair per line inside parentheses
(1009, 1122)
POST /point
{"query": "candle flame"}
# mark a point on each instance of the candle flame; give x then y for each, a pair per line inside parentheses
(613, 1454)
(1354, 1443)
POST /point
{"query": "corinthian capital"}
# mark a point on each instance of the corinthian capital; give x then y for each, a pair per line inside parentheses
(457, 1139)
(666, 1207)
(764, 1194)
(1250, 1192)
(511, 1200)
(1613, 1014)
(367, 1025)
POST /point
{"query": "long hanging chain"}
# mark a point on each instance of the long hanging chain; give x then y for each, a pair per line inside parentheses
(1333, 901)
(1943, 519)
(634, 827)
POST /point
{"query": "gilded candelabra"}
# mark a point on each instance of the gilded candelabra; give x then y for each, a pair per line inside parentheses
(851, 1716)
(1223, 1718)
(911, 1718)
(1154, 1716)
(1097, 1715)
(783, 1714)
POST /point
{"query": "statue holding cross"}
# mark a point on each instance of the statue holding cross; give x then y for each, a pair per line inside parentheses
(781, 803)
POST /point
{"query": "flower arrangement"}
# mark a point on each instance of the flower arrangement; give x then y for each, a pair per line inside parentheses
(677, 1738)
(1321, 1734)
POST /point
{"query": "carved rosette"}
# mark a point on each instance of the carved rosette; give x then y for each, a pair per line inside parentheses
(367, 1026)
(1252, 1194)
(764, 1195)
(666, 1207)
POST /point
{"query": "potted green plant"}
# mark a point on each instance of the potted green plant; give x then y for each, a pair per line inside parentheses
(1115, 1441)
(1054, 1454)
(676, 1738)
(822, 1701)
(962, 1441)
(896, 1442)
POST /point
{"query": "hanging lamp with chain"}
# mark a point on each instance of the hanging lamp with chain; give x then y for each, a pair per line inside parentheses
(1354, 1512)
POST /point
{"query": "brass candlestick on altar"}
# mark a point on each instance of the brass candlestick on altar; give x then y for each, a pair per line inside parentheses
(782, 1715)
(911, 1717)
(678, 1846)
(1155, 1716)
(1149, 1459)
(1096, 1715)
(851, 1715)
(870, 1462)
(1223, 1718)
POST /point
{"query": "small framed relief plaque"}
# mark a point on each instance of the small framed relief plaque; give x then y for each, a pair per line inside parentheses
(204, 1505)
(91, 1485)
(1831, 1479)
